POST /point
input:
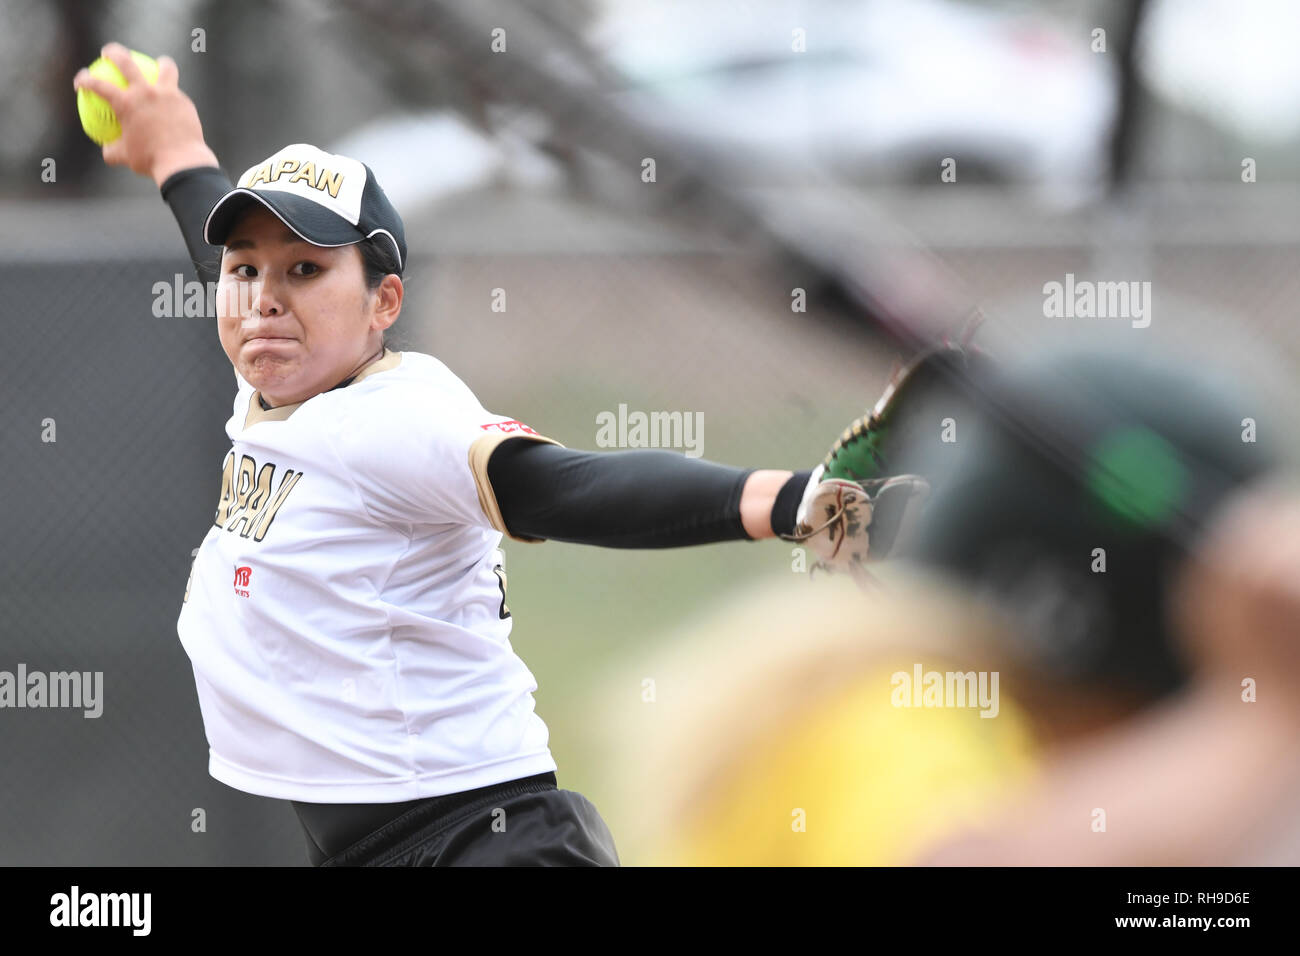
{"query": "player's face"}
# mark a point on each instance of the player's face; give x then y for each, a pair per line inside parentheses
(296, 319)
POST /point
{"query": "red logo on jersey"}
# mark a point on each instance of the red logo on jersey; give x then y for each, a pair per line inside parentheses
(510, 426)
(241, 580)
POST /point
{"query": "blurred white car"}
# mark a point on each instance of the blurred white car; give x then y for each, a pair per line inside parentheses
(884, 91)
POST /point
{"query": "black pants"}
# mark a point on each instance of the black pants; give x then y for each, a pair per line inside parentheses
(525, 822)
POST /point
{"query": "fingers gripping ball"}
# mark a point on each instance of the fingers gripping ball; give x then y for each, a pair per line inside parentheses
(97, 117)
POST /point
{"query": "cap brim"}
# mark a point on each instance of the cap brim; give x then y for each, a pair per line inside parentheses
(306, 219)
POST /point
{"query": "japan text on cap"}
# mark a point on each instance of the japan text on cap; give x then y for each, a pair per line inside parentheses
(326, 199)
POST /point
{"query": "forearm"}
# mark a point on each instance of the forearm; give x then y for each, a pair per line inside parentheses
(191, 193)
(189, 155)
(631, 499)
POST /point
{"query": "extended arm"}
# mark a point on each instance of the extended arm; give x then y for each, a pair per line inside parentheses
(845, 509)
(637, 499)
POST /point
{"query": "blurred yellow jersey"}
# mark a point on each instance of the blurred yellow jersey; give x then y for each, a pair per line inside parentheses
(870, 775)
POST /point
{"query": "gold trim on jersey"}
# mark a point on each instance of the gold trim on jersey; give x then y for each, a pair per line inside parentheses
(389, 360)
(479, 453)
(256, 413)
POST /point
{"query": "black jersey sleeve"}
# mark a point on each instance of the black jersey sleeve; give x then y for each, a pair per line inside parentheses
(191, 194)
(629, 499)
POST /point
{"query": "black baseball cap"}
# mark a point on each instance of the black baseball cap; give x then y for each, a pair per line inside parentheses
(326, 199)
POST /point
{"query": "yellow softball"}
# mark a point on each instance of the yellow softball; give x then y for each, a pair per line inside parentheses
(97, 117)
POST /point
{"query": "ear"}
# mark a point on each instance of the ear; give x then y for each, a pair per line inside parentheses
(387, 303)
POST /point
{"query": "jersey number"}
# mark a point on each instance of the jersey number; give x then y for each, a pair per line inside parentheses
(501, 578)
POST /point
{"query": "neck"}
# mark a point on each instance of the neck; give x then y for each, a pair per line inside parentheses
(356, 369)
(379, 353)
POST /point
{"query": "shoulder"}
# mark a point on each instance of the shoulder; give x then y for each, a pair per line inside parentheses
(418, 402)
(416, 377)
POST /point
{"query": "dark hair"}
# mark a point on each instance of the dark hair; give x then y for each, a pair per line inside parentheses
(378, 259)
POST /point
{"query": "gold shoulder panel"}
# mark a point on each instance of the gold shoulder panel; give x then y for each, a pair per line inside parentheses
(479, 453)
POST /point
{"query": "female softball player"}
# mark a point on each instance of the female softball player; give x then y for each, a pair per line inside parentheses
(345, 613)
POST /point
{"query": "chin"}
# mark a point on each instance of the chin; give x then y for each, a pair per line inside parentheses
(264, 371)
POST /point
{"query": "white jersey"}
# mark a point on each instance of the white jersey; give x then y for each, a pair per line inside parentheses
(346, 614)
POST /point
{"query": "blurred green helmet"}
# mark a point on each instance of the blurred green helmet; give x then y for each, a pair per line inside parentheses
(1069, 490)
